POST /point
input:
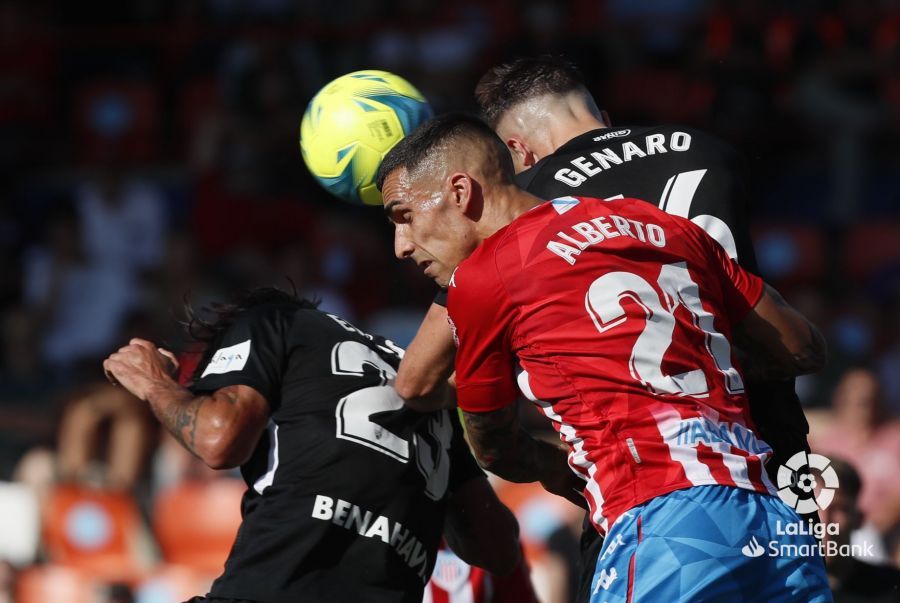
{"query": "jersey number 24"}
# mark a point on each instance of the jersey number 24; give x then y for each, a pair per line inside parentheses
(428, 447)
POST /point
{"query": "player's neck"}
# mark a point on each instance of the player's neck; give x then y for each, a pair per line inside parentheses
(564, 131)
(507, 203)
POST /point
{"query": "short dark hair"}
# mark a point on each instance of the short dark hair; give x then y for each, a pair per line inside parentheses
(524, 78)
(412, 150)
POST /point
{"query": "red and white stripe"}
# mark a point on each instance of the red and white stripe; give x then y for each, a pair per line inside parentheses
(714, 462)
(578, 456)
(455, 581)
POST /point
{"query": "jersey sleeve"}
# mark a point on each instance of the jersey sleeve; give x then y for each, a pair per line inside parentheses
(462, 464)
(250, 352)
(741, 289)
(723, 194)
(481, 317)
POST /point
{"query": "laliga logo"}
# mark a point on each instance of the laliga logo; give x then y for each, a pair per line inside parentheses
(796, 482)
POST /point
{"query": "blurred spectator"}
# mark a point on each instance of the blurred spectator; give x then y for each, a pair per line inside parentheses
(7, 582)
(836, 96)
(27, 397)
(856, 418)
(123, 220)
(854, 579)
(78, 306)
(106, 438)
(859, 430)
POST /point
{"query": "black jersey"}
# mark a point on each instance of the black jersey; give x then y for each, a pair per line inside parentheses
(346, 488)
(685, 172)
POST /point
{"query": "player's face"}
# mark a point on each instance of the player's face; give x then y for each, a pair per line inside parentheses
(429, 227)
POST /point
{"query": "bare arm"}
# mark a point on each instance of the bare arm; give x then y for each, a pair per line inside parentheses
(428, 363)
(222, 428)
(503, 448)
(779, 342)
(480, 529)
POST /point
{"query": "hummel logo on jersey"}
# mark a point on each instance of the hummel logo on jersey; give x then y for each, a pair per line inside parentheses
(226, 360)
(608, 135)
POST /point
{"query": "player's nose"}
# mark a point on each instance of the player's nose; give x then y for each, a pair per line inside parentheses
(403, 246)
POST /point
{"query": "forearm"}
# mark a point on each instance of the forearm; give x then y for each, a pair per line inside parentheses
(521, 458)
(504, 449)
(778, 342)
(177, 409)
(222, 428)
(761, 364)
(428, 362)
(205, 425)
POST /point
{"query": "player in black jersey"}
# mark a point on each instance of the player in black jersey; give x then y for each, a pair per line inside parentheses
(562, 145)
(348, 490)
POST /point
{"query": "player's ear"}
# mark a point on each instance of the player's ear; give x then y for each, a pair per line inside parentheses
(523, 157)
(466, 194)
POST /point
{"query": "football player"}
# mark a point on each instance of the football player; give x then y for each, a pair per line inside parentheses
(621, 317)
(348, 492)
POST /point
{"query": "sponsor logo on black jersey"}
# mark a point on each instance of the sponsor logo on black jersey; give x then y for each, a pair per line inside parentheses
(608, 135)
(226, 360)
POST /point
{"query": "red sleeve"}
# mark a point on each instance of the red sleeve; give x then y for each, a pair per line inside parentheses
(741, 290)
(481, 316)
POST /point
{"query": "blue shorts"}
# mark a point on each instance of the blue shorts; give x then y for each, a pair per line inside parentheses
(709, 543)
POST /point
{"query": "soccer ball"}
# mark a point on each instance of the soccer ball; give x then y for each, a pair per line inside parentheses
(351, 124)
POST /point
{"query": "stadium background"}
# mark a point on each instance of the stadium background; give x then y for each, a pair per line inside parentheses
(184, 115)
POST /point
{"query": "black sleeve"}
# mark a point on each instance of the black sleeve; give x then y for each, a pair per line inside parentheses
(441, 297)
(724, 192)
(250, 352)
(463, 466)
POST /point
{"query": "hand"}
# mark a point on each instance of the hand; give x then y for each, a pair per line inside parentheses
(567, 485)
(140, 366)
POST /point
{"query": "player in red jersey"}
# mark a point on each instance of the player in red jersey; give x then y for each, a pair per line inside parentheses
(455, 581)
(626, 349)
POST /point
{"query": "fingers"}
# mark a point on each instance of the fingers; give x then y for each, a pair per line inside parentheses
(168, 354)
(173, 360)
(143, 343)
(108, 371)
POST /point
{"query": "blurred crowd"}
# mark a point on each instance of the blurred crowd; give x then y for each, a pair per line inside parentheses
(149, 160)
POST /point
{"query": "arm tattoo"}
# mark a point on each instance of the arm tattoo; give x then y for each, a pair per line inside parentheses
(180, 419)
(179, 414)
(503, 448)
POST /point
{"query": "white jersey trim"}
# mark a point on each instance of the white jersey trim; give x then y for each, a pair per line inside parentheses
(578, 459)
(268, 478)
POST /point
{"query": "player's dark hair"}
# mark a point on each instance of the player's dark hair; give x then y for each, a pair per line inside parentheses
(509, 84)
(213, 319)
(448, 130)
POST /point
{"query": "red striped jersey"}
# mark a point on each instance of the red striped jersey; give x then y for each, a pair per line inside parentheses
(455, 581)
(620, 317)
